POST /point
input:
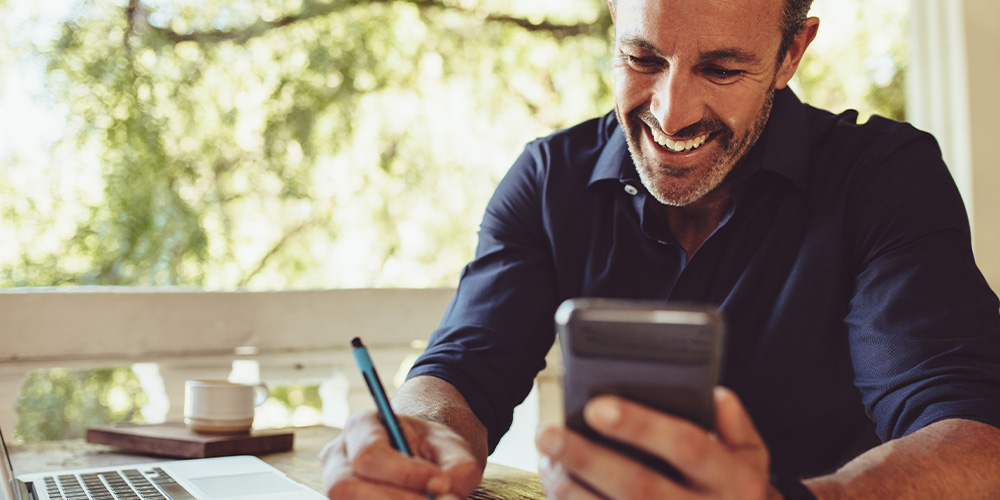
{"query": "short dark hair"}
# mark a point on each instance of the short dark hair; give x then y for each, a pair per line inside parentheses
(793, 19)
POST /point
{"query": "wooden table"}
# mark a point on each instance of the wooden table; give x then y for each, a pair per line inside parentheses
(301, 464)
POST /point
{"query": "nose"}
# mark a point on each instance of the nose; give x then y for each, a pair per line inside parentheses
(675, 102)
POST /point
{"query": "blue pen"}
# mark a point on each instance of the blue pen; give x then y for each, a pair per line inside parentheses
(385, 413)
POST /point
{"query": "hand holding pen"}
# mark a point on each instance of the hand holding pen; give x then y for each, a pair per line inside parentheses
(362, 462)
(385, 414)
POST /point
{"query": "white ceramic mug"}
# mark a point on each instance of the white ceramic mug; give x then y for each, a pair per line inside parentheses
(220, 406)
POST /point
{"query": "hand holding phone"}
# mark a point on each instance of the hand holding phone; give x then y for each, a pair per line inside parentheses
(665, 356)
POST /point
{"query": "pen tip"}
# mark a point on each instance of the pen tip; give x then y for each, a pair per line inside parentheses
(356, 342)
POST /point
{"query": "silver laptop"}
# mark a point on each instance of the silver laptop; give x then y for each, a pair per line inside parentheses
(240, 477)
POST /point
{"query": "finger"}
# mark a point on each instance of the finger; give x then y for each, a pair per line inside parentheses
(340, 483)
(692, 450)
(605, 471)
(458, 463)
(560, 485)
(352, 488)
(737, 432)
(733, 423)
(372, 457)
(452, 454)
(334, 460)
(330, 449)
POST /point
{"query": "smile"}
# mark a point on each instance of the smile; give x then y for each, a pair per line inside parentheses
(679, 146)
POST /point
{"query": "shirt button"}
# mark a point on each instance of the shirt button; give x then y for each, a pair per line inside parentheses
(630, 189)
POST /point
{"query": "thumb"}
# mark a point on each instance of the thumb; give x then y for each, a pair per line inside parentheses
(732, 422)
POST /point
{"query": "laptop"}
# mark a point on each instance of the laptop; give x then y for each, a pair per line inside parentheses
(238, 477)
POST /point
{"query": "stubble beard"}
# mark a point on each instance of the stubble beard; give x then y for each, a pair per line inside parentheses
(661, 179)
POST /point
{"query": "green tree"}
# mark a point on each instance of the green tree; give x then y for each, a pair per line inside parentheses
(61, 403)
(239, 141)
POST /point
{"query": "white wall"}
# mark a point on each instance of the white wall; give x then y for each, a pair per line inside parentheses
(952, 93)
(982, 35)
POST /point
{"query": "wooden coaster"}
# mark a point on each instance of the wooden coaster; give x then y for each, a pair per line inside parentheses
(174, 439)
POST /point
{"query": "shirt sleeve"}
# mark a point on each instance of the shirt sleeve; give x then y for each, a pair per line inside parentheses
(924, 323)
(495, 333)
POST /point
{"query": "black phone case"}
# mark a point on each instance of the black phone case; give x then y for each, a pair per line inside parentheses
(665, 356)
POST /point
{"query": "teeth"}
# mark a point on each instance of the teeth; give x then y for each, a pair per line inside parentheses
(679, 146)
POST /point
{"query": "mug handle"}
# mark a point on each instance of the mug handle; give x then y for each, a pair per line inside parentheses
(260, 394)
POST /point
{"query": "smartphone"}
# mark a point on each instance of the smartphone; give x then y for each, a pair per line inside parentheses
(665, 356)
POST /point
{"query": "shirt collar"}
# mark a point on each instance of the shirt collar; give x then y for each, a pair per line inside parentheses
(615, 161)
(782, 147)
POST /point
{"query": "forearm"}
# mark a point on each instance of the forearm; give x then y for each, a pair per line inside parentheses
(434, 399)
(949, 459)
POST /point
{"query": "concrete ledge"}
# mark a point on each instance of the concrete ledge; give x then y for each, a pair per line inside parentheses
(72, 324)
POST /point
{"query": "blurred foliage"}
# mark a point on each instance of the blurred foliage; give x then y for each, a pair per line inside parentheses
(62, 403)
(299, 143)
(858, 59)
(295, 396)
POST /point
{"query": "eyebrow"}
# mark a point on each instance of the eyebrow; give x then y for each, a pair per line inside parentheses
(640, 43)
(728, 53)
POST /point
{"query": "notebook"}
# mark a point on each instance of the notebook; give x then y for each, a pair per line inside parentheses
(238, 477)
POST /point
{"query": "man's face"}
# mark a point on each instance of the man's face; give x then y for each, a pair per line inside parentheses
(694, 82)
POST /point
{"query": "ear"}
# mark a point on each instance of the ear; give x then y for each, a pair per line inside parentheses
(611, 7)
(795, 51)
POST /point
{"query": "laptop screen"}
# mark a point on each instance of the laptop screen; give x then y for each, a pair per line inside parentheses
(8, 487)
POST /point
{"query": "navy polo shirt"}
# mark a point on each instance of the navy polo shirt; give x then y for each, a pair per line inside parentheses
(855, 310)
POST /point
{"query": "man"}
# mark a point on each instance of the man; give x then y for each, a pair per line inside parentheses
(863, 356)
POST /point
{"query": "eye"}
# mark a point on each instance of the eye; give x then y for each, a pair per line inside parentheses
(722, 75)
(644, 64)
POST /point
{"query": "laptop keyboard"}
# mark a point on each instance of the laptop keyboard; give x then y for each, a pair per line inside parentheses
(129, 484)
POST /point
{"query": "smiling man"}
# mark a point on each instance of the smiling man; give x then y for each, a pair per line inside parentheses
(695, 107)
(863, 348)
